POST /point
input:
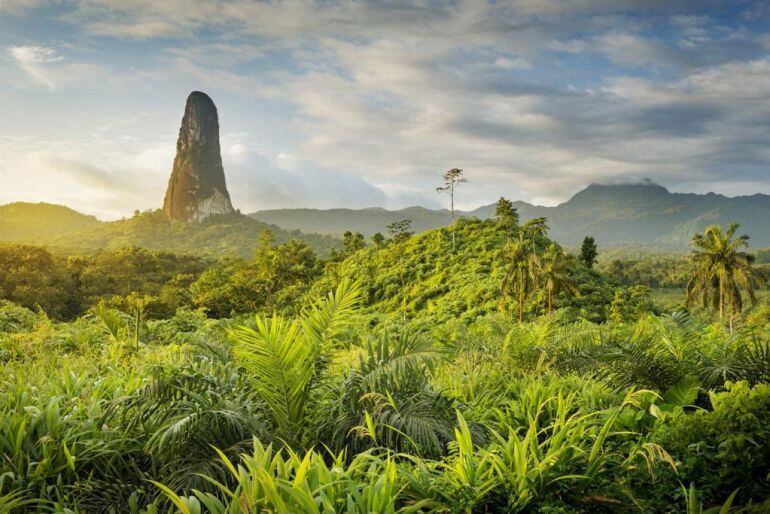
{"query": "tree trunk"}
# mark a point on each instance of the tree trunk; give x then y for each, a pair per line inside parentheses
(403, 292)
(521, 305)
(452, 208)
(550, 301)
(136, 327)
(721, 299)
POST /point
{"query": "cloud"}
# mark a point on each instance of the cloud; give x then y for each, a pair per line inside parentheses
(140, 29)
(18, 7)
(257, 181)
(60, 178)
(34, 54)
(35, 60)
(367, 103)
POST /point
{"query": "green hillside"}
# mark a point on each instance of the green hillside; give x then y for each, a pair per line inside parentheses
(30, 222)
(424, 278)
(64, 228)
(419, 278)
(217, 235)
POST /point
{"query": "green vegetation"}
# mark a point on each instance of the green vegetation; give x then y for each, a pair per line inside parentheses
(58, 227)
(588, 252)
(66, 287)
(498, 373)
(722, 270)
(23, 222)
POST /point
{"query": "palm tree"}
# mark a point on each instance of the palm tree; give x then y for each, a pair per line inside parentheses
(722, 271)
(178, 417)
(285, 359)
(535, 228)
(554, 268)
(520, 278)
(388, 400)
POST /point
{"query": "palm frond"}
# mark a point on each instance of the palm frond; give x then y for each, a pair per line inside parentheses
(285, 358)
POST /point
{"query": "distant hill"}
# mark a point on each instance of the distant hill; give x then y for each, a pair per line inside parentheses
(645, 214)
(63, 228)
(367, 221)
(28, 222)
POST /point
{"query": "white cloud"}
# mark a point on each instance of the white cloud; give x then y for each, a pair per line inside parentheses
(34, 54)
(507, 63)
(35, 60)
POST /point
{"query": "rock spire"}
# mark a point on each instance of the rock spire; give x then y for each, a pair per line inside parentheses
(197, 186)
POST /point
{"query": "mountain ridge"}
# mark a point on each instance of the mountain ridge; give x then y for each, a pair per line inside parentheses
(640, 214)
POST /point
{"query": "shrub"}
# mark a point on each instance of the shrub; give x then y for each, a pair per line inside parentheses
(724, 449)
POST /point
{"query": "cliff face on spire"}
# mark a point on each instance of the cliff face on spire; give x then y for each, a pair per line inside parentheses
(197, 186)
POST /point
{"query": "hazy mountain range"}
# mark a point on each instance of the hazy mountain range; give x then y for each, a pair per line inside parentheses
(616, 215)
(644, 214)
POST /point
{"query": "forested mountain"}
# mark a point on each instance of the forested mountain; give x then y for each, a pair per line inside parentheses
(61, 227)
(27, 222)
(634, 214)
(648, 214)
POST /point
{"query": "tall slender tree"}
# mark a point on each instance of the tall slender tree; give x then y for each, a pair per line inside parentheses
(451, 179)
(523, 275)
(554, 267)
(519, 281)
(722, 272)
(534, 230)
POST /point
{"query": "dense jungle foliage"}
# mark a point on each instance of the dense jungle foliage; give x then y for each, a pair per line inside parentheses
(412, 276)
(405, 374)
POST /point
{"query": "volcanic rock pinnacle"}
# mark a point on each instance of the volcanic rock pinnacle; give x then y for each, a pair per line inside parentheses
(197, 186)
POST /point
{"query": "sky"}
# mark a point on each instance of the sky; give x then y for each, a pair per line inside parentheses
(360, 104)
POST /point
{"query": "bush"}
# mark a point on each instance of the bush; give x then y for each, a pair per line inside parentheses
(14, 318)
(725, 449)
